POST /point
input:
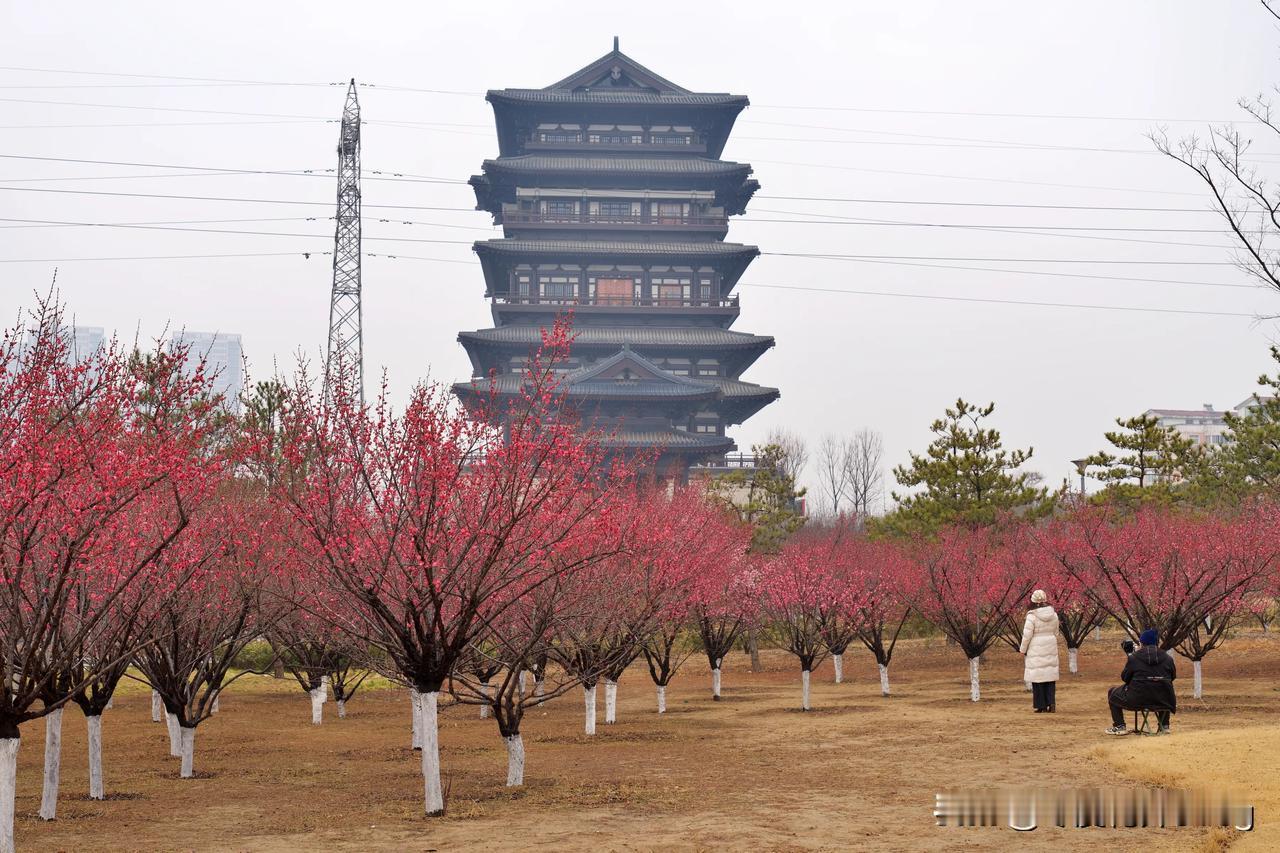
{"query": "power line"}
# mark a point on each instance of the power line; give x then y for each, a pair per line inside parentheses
(208, 198)
(841, 257)
(380, 175)
(303, 254)
(1001, 301)
(854, 200)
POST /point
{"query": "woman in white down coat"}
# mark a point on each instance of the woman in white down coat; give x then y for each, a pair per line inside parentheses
(1040, 645)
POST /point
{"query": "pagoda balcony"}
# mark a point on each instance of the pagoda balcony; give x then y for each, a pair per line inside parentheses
(719, 313)
(612, 221)
(618, 147)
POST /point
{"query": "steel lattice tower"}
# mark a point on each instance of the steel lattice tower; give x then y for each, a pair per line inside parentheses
(346, 340)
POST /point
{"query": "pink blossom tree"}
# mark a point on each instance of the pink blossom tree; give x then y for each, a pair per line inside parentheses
(887, 578)
(969, 581)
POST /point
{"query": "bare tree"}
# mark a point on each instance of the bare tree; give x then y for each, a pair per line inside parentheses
(795, 451)
(865, 471)
(1247, 200)
(851, 472)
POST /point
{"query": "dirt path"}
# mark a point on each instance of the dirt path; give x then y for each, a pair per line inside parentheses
(748, 773)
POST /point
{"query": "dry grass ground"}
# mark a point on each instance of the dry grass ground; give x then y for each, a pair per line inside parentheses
(749, 773)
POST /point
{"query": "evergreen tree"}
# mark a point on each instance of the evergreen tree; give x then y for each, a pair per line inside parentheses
(967, 475)
(1150, 455)
(1249, 460)
(764, 497)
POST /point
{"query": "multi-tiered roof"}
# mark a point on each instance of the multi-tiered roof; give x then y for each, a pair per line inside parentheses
(614, 204)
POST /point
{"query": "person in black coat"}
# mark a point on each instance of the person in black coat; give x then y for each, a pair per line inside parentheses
(1148, 679)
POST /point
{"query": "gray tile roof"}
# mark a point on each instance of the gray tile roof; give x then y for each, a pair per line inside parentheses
(509, 383)
(523, 164)
(636, 336)
(688, 249)
(734, 388)
(615, 96)
(674, 439)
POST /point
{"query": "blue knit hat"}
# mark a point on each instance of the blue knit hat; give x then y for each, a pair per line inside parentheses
(1149, 637)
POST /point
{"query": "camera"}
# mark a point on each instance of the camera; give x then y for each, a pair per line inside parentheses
(1127, 646)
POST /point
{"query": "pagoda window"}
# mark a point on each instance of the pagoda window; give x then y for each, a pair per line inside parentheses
(708, 367)
(558, 288)
(523, 286)
(671, 212)
(560, 210)
(678, 366)
(615, 211)
(707, 427)
(614, 287)
(614, 135)
(672, 289)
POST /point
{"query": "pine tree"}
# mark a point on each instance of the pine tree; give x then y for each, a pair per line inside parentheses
(764, 497)
(1249, 460)
(968, 478)
(1151, 455)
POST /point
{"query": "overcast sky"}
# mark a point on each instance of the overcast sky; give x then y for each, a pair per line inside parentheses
(978, 102)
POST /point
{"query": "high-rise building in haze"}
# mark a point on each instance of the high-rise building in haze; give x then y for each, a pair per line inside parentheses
(223, 357)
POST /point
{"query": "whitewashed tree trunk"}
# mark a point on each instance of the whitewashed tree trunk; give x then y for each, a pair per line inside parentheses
(974, 693)
(342, 709)
(217, 699)
(589, 704)
(111, 703)
(416, 712)
(96, 791)
(1097, 632)
(52, 764)
(884, 679)
(8, 787)
(317, 705)
(487, 690)
(610, 702)
(715, 679)
(175, 736)
(1073, 662)
(156, 706)
(1197, 688)
(662, 699)
(523, 686)
(324, 688)
(804, 689)
(540, 688)
(515, 760)
(428, 704)
(188, 736)
(837, 663)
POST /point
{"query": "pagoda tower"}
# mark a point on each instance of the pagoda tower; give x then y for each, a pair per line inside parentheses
(614, 204)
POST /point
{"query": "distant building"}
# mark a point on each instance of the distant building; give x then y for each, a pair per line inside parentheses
(1204, 426)
(223, 357)
(82, 341)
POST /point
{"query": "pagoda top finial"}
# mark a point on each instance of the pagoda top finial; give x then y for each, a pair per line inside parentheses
(615, 44)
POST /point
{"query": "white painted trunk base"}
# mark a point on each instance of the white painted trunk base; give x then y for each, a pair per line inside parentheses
(428, 706)
(1197, 687)
(804, 689)
(1097, 632)
(96, 791)
(416, 712)
(324, 688)
(52, 764)
(515, 760)
(8, 787)
(217, 699)
(715, 683)
(111, 703)
(317, 705)
(589, 704)
(188, 737)
(157, 707)
(1073, 661)
(175, 737)
(540, 688)
(610, 702)
(524, 683)
(342, 709)
(884, 679)
(974, 693)
(487, 691)
(662, 699)
(837, 663)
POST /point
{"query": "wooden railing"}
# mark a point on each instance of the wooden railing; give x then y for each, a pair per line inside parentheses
(620, 301)
(523, 217)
